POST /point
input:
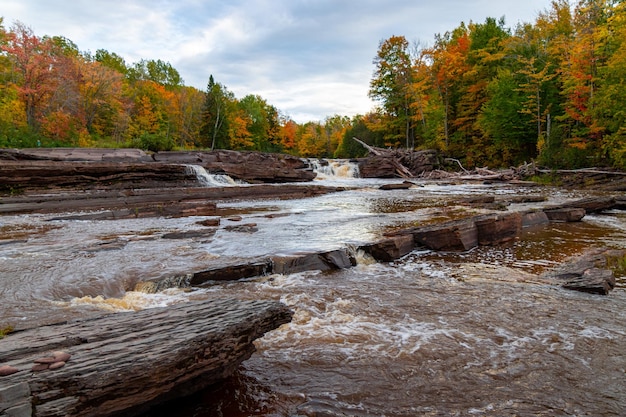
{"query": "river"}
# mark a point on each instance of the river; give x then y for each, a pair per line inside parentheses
(432, 334)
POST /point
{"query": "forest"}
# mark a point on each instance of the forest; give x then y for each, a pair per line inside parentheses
(551, 91)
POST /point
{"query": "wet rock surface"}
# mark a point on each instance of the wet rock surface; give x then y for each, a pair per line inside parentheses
(140, 359)
(589, 273)
(133, 168)
(247, 166)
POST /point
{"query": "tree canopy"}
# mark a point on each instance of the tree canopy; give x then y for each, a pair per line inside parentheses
(550, 90)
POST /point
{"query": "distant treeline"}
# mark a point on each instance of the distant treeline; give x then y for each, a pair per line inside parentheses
(488, 95)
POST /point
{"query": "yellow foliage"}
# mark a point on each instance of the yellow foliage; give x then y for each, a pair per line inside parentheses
(84, 139)
(12, 109)
(240, 137)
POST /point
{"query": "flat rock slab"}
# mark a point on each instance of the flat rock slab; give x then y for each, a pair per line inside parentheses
(591, 272)
(122, 363)
(159, 202)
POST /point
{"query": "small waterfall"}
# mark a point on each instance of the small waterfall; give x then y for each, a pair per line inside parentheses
(334, 168)
(209, 180)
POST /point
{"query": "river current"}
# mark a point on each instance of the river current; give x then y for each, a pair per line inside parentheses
(432, 334)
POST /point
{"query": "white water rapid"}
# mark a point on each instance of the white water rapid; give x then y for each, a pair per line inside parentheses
(209, 180)
(333, 169)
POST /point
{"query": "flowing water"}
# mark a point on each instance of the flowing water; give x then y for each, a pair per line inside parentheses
(432, 334)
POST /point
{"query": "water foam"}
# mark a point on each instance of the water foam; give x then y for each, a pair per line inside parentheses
(334, 169)
(131, 301)
(209, 180)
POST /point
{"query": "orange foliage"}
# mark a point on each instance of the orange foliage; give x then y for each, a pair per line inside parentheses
(57, 125)
(288, 134)
(240, 136)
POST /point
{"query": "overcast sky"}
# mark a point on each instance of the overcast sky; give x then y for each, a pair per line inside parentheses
(309, 58)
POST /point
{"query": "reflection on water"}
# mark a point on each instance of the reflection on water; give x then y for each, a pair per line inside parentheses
(542, 247)
(430, 335)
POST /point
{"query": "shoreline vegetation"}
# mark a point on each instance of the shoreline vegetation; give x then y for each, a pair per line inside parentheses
(484, 94)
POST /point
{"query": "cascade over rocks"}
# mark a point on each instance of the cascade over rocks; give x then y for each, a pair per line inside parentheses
(133, 168)
(247, 166)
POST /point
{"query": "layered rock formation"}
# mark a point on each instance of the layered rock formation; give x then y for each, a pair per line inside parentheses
(122, 363)
(133, 168)
(247, 166)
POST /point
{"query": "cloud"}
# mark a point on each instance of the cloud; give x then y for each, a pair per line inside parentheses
(310, 59)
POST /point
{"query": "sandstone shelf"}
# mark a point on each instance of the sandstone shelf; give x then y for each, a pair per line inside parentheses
(123, 363)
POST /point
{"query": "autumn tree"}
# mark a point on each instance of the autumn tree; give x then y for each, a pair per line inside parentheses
(348, 147)
(12, 111)
(264, 127)
(287, 134)
(191, 103)
(608, 100)
(111, 60)
(448, 63)
(391, 86)
(310, 140)
(33, 61)
(484, 57)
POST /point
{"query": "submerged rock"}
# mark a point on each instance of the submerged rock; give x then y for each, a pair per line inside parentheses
(589, 273)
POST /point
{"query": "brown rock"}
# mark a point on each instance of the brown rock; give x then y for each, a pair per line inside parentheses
(386, 166)
(56, 365)
(456, 235)
(594, 204)
(405, 185)
(494, 229)
(209, 222)
(590, 272)
(190, 234)
(243, 228)
(390, 249)
(130, 362)
(534, 218)
(40, 367)
(6, 370)
(309, 261)
(571, 214)
(247, 166)
(232, 272)
(61, 356)
(593, 280)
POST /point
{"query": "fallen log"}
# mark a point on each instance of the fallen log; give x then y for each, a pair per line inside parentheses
(392, 156)
(123, 363)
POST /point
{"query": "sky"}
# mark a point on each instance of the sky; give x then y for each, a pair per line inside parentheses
(311, 59)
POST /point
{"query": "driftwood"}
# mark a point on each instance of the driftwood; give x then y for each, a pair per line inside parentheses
(581, 171)
(574, 178)
(120, 364)
(395, 157)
